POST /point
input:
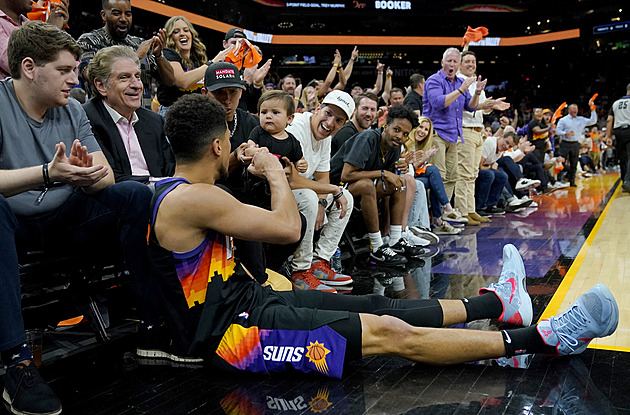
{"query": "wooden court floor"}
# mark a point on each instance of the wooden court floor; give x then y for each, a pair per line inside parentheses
(604, 258)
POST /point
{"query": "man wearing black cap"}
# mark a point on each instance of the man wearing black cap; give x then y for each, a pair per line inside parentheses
(224, 83)
(232, 36)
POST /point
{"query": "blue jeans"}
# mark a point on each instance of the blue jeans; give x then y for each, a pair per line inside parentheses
(488, 187)
(433, 181)
(419, 213)
(120, 211)
(507, 165)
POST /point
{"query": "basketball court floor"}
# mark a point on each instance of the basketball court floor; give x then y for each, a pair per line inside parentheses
(576, 238)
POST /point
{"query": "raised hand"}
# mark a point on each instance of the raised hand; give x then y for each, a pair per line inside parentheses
(143, 49)
(355, 54)
(76, 170)
(467, 83)
(79, 155)
(220, 57)
(481, 85)
(499, 104)
(60, 15)
(261, 72)
(337, 58)
(159, 42)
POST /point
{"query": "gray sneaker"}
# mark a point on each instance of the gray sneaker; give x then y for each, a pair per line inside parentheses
(511, 289)
(594, 314)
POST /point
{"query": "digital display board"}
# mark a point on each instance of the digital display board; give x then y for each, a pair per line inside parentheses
(612, 27)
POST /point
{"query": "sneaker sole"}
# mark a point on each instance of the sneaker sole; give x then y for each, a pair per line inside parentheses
(161, 354)
(457, 232)
(431, 237)
(336, 283)
(456, 220)
(522, 204)
(7, 400)
(375, 261)
(304, 287)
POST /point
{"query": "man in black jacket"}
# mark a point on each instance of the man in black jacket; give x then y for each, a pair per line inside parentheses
(131, 136)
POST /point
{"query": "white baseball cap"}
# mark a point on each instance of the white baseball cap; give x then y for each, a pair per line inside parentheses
(341, 99)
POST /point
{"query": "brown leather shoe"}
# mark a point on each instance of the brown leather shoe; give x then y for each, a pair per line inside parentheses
(478, 218)
(471, 221)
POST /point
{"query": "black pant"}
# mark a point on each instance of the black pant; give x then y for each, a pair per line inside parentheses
(623, 152)
(532, 166)
(571, 153)
(539, 151)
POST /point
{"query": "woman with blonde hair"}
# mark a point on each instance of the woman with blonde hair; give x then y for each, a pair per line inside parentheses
(418, 150)
(187, 55)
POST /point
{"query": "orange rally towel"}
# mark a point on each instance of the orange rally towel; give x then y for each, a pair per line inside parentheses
(422, 169)
(592, 100)
(474, 35)
(559, 167)
(243, 55)
(41, 12)
(558, 113)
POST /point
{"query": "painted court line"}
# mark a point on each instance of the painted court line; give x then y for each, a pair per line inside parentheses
(560, 294)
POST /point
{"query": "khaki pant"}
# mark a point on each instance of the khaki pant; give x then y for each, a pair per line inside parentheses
(446, 161)
(596, 156)
(468, 159)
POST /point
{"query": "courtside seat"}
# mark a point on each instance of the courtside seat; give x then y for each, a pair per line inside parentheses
(59, 287)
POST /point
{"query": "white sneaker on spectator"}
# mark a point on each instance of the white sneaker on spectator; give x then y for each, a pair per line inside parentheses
(446, 229)
(524, 183)
(515, 203)
(561, 185)
(425, 233)
(454, 216)
(526, 198)
(413, 239)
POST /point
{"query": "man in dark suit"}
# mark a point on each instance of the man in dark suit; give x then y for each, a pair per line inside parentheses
(131, 136)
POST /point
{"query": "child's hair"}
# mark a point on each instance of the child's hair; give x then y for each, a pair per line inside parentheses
(282, 96)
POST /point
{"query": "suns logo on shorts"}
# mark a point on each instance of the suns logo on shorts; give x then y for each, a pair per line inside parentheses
(316, 353)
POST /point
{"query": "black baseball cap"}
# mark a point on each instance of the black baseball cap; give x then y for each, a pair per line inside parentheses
(235, 32)
(223, 75)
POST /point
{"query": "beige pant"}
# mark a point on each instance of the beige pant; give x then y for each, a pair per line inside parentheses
(468, 159)
(446, 161)
(596, 156)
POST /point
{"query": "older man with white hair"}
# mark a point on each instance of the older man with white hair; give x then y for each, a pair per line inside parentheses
(445, 98)
(570, 129)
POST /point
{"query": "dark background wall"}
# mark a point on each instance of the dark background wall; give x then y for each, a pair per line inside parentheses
(538, 75)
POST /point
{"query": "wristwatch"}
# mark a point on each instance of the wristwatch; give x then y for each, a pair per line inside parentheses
(323, 202)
